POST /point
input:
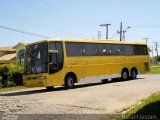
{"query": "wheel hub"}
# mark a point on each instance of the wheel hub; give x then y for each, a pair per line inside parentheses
(125, 75)
(70, 81)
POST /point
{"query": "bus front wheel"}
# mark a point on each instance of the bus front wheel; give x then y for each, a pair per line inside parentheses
(69, 82)
(50, 88)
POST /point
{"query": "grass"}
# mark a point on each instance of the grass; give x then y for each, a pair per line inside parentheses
(154, 69)
(148, 109)
(11, 89)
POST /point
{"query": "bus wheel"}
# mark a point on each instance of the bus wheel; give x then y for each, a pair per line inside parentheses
(69, 82)
(50, 88)
(124, 74)
(133, 74)
(104, 81)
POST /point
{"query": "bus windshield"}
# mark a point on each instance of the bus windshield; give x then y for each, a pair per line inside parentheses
(36, 58)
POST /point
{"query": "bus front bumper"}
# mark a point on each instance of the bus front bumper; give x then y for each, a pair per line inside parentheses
(36, 81)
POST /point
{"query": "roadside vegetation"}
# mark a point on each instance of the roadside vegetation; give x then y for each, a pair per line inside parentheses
(155, 60)
(154, 69)
(148, 109)
(11, 75)
(155, 65)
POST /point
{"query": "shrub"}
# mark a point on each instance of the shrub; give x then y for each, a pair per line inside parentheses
(9, 84)
(11, 75)
(4, 73)
(1, 85)
(16, 74)
(0, 82)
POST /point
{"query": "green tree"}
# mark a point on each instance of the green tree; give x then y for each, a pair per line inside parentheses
(156, 59)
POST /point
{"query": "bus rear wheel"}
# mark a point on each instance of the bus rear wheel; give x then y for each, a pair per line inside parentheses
(50, 88)
(104, 81)
(69, 82)
(124, 75)
(133, 74)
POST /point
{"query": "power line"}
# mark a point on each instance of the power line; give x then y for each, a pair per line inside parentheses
(20, 18)
(113, 35)
(24, 32)
(65, 14)
(49, 6)
(43, 6)
(52, 12)
(146, 26)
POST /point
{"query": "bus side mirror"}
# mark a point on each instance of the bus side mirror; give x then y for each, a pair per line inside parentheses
(53, 51)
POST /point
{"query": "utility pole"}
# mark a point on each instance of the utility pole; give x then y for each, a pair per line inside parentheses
(146, 40)
(152, 52)
(99, 34)
(120, 32)
(106, 25)
(156, 49)
(123, 35)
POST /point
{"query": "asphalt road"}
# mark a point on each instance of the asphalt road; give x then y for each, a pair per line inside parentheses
(88, 97)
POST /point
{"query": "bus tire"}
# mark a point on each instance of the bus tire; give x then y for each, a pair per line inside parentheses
(133, 74)
(124, 74)
(50, 88)
(104, 81)
(69, 81)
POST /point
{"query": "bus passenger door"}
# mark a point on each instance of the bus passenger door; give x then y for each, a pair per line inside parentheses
(53, 63)
(56, 60)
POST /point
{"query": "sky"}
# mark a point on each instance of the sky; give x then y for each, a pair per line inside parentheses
(79, 19)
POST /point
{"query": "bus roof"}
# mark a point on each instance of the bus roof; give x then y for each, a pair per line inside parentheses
(87, 40)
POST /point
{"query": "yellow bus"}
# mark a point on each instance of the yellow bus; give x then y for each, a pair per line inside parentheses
(56, 62)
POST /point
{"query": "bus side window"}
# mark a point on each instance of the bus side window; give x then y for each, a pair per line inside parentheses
(128, 49)
(108, 48)
(140, 50)
(74, 49)
(105, 49)
(101, 50)
(91, 49)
